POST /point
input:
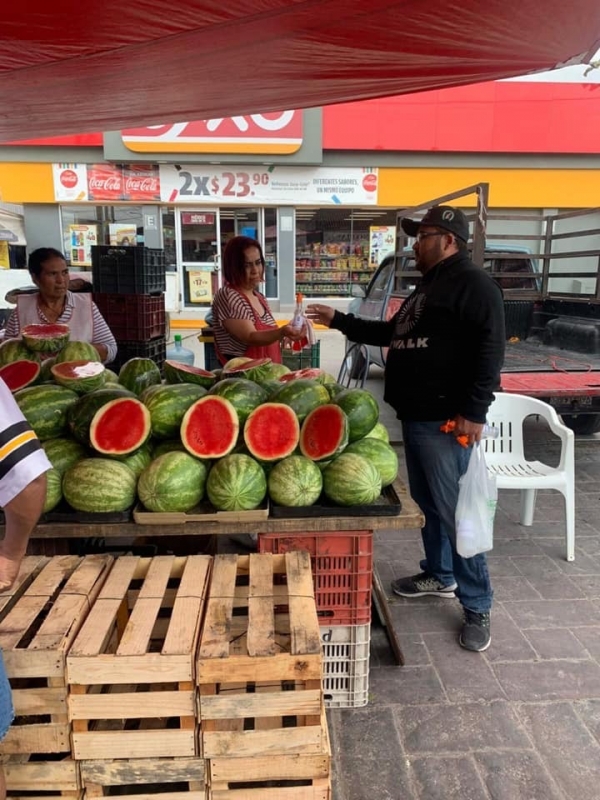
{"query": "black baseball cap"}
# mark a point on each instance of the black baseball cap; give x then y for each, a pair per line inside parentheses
(447, 218)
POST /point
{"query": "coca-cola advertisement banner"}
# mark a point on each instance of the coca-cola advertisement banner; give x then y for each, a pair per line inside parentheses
(106, 182)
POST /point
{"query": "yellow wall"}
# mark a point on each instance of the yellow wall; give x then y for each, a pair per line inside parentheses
(26, 183)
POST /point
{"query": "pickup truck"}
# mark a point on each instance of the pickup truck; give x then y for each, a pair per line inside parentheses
(553, 334)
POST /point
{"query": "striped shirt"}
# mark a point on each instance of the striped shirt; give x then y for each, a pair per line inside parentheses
(228, 303)
(102, 333)
(22, 458)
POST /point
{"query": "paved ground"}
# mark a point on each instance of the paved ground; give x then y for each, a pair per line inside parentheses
(518, 722)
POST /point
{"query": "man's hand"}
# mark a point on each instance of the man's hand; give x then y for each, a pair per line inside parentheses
(319, 313)
(9, 569)
(295, 334)
(464, 427)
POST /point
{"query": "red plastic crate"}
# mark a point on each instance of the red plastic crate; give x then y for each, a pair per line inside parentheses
(133, 317)
(342, 567)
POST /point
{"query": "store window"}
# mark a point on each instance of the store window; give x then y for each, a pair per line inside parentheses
(85, 226)
(339, 247)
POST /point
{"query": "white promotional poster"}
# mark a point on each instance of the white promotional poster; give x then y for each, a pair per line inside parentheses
(124, 234)
(70, 182)
(382, 243)
(82, 237)
(197, 183)
(200, 283)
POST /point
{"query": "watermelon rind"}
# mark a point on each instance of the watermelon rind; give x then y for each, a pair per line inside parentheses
(324, 433)
(167, 405)
(46, 369)
(46, 407)
(210, 427)
(81, 414)
(99, 485)
(351, 480)
(63, 453)
(53, 490)
(120, 427)
(139, 460)
(235, 362)
(80, 376)
(380, 454)
(20, 374)
(255, 369)
(168, 446)
(176, 372)
(379, 431)
(172, 482)
(295, 481)
(236, 483)
(111, 377)
(78, 351)
(138, 374)
(244, 395)
(46, 337)
(302, 395)
(16, 350)
(362, 410)
(271, 432)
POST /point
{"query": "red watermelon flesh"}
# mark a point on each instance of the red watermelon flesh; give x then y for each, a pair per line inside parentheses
(177, 372)
(324, 433)
(271, 432)
(46, 338)
(81, 376)
(210, 427)
(120, 427)
(312, 373)
(248, 365)
(20, 374)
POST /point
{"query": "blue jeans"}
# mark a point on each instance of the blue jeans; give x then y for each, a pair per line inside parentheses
(435, 462)
(6, 706)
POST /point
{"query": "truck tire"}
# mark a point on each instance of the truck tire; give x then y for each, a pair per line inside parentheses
(582, 423)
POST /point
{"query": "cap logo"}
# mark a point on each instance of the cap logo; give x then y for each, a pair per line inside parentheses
(448, 216)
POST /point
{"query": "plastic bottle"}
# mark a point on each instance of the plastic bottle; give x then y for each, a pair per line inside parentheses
(299, 321)
(177, 352)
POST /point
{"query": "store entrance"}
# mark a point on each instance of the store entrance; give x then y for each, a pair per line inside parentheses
(199, 255)
(258, 224)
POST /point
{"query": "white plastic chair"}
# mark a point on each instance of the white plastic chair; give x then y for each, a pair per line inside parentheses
(506, 460)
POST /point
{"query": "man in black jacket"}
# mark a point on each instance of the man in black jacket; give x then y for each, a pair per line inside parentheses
(446, 348)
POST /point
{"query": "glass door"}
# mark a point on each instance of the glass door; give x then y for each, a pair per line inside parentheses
(198, 255)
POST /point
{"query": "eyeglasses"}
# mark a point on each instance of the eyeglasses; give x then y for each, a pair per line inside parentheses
(424, 234)
(250, 264)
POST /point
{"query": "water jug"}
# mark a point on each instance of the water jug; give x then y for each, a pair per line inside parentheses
(177, 352)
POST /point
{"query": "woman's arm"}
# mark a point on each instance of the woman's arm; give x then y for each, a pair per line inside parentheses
(244, 330)
(103, 339)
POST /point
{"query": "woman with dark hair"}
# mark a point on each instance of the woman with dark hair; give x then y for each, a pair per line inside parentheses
(242, 320)
(53, 302)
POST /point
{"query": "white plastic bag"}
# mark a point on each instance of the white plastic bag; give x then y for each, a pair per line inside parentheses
(476, 507)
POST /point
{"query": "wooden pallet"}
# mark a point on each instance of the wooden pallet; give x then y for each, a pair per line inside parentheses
(259, 666)
(131, 669)
(157, 775)
(36, 631)
(26, 776)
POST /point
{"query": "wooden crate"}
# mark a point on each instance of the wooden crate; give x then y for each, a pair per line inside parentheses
(50, 779)
(131, 669)
(259, 666)
(172, 778)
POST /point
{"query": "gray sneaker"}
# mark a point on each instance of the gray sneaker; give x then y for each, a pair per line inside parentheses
(421, 585)
(475, 634)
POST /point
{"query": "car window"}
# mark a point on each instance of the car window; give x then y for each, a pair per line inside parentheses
(500, 265)
(379, 286)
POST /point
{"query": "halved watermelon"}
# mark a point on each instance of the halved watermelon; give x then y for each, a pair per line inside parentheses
(20, 374)
(312, 373)
(120, 427)
(271, 432)
(15, 350)
(176, 372)
(324, 433)
(254, 369)
(46, 338)
(210, 427)
(80, 376)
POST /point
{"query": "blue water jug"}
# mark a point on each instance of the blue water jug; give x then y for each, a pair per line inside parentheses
(177, 352)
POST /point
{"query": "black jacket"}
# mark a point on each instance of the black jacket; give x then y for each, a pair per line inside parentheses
(446, 343)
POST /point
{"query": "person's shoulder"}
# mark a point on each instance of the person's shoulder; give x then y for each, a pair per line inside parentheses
(75, 299)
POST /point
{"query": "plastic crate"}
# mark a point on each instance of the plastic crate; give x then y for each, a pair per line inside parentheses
(156, 349)
(346, 665)
(342, 567)
(309, 357)
(133, 317)
(128, 270)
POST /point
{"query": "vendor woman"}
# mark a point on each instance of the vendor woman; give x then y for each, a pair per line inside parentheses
(54, 303)
(242, 320)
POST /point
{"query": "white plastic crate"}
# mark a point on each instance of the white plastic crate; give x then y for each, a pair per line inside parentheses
(346, 665)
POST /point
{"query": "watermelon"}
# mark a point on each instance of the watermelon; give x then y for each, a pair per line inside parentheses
(302, 396)
(172, 482)
(111, 377)
(324, 433)
(311, 373)
(235, 362)
(379, 431)
(254, 370)
(334, 389)
(176, 372)
(210, 427)
(139, 373)
(46, 369)
(82, 412)
(120, 427)
(45, 408)
(244, 395)
(139, 460)
(20, 374)
(53, 490)
(46, 338)
(295, 481)
(15, 350)
(78, 351)
(63, 453)
(99, 485)
(361, 409)
(271, 432)
(80, 376)
(272, 372)
(168, 447)
(351, 480)
(236, 483)
(380, 454)
(167, 406)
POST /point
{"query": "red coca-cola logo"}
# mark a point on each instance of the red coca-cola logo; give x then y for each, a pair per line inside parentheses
(369, 182)
(105, 182)
(145, 185)
(68, 178)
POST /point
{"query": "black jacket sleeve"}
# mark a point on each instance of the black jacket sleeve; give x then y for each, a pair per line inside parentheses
(366, 331)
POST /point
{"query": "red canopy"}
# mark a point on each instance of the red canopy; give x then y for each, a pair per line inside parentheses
(110, 64)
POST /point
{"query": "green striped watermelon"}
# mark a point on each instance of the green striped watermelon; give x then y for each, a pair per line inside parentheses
(80, 376)
(46, 370)
(244, 395)
(78, 351)
(81, 414)
(295, 481)
(167, 406)
(20, 374)
(16, 350)
(351, 480)
(271, 432)
(168, 447)
(256, 369)
(120, 427)
(138, 461)
(361, 409)
(379, 431)
(172, 482)
(139, 373)
(53, 490)
(46, 337)
(176, 372)
(236, 483)
(324, 433)
(380, 454)
(302, 395)
(210, 427)
(99, 485)
(63, 453)
(45, 408)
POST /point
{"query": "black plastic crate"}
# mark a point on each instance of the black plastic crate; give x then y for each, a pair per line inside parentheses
(156, 349)
(128, 270)
(133, 317)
